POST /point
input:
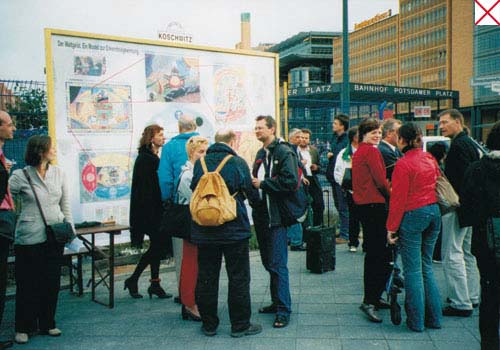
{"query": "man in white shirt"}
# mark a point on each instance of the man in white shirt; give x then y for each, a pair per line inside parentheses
(310, 159)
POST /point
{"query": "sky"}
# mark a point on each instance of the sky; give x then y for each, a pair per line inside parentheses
(209, 22)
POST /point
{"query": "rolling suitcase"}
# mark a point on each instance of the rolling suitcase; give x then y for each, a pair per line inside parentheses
(320, 255)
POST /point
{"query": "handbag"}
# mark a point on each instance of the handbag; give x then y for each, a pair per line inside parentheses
(62, 232)
(448, 199)
(7, 224)
(347, 180)
(176, 218)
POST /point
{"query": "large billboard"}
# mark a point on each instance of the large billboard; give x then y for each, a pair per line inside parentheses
(104, 90)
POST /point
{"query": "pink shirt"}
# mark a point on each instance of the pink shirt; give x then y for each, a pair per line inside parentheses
(8, 202)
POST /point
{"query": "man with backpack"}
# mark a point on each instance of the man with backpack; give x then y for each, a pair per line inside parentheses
(282, 203)
(221, 228)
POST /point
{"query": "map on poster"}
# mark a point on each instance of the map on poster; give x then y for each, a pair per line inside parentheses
(102, 108)
(104, 90)
(172, 79)
(105, 176)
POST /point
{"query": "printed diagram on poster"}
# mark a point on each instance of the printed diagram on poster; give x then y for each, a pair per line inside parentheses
(89, 65)
(247, 146)
(230, 103)
(105, 176)
(169, 116)
(102, 108)
(172, 79)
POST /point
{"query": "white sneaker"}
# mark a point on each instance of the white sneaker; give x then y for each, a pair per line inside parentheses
(21, 338)
(54, 332)
(353, 249)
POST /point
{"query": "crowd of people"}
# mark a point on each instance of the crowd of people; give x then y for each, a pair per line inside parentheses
(383, 183)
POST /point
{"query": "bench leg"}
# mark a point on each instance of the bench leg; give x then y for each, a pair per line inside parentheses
(79, 275)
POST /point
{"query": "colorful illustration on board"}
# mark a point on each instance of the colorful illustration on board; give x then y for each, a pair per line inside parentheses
(102, 108)
(172, 79)
(105, 175)
(229, 93)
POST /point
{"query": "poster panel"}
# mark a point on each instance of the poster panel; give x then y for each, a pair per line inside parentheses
(104, 90)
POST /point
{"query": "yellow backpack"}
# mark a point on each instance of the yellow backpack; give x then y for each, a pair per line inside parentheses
(211, 203)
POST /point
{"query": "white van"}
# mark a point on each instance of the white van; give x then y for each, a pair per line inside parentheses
(431, 140)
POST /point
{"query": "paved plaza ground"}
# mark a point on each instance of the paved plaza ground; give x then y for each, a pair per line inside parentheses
(325, 316)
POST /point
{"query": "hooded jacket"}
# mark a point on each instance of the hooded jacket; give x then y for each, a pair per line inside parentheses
(236, 174)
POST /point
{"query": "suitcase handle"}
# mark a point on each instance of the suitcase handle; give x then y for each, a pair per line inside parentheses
(327, 209)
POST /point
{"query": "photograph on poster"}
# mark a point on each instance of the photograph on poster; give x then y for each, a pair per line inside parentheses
(105, 175)
(89, 65)
(229, 93)
(172, 79)
(103, 108)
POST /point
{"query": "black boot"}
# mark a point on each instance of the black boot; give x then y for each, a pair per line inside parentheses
(157, 290)
(133, 289)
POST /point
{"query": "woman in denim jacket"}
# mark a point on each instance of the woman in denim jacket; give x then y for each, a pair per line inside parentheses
(413, 213)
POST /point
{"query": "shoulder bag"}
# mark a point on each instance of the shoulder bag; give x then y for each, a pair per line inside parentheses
(61, 233)
(448, 199)
(176, 218)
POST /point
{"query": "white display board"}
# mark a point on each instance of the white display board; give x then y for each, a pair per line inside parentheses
(103, 91)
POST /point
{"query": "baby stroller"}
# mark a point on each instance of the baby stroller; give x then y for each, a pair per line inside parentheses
(394, 286)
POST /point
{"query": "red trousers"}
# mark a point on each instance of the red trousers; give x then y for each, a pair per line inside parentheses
(189, 274)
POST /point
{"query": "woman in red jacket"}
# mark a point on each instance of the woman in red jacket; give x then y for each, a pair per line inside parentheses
(370, 193)
(414, 213)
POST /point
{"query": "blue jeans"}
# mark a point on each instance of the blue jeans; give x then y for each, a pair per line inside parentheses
(280, 287)
(343, 210)
(294, 234)
(418, 233)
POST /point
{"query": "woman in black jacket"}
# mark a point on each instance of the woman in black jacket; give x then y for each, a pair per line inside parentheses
(146, 210)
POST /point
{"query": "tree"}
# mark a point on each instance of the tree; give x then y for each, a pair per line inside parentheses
(30, 108)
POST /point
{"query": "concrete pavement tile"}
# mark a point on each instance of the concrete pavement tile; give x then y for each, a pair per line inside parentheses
(453, 334)
(229, 343)
(328, 308)
(454, 345)
(272, 344)
(347, 299)
(401, 332)
(317, 299)
(354, 344)
(373, 332)
(410, 345)
(318, 332)
(349, 309)
(318, 344)
(318, 320)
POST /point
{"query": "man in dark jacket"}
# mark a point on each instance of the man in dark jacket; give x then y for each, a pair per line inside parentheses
(480, 202)
(389, 145)
(7, 129)
(339, 142)
(275, 174)
(229, 239)
(459, 265)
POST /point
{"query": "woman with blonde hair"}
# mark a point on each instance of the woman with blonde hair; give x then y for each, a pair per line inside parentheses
(145, 212)
(196, 147)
